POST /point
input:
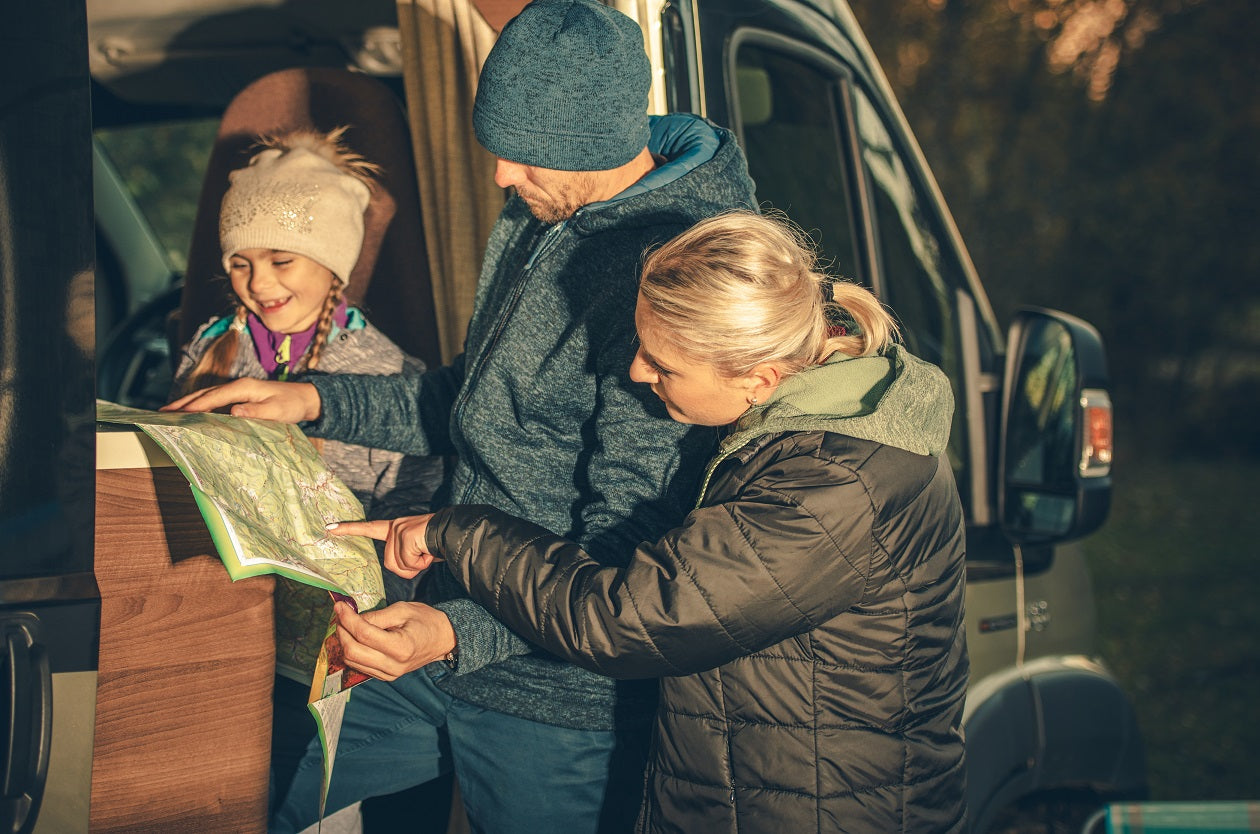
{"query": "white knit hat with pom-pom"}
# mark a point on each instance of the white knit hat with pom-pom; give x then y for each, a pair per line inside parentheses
(306, 194)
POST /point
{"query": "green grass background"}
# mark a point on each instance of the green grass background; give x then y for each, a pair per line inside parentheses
(1177, 578)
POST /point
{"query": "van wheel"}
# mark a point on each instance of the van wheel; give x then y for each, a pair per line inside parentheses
(1051, 812)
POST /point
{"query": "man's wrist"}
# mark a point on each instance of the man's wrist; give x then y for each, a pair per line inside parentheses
(451, 658)
(313, 402)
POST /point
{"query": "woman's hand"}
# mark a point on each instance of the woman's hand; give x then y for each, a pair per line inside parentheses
(263, 399)
(406, 553)
(394, 640)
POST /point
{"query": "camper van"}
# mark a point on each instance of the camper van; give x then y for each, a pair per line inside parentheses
(135, 699)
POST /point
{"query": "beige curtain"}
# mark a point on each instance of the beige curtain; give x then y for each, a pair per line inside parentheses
(647, 13)
(444, 44)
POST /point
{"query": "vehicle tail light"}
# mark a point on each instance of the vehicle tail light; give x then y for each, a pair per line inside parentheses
(1095, 433)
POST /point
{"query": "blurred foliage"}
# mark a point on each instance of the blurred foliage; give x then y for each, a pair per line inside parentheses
(162, 165)
(1100, 158)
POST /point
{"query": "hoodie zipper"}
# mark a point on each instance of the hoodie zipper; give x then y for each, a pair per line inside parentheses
(545, 242)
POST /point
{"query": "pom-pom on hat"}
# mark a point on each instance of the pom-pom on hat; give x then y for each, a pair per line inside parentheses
(565, 87)
(306, 194)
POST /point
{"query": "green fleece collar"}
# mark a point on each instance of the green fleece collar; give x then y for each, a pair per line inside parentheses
(895, 399)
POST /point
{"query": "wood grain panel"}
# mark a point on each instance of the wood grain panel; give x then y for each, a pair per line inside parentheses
(183, 715)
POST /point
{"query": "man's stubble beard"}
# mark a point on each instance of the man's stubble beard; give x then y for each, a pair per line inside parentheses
(566, 198)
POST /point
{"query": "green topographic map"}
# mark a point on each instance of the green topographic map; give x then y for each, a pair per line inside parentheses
(266, 495)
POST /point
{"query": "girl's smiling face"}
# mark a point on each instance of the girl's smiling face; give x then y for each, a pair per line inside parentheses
(693, 392)
(285, 290)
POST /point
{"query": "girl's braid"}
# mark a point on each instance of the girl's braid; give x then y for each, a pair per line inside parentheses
(215, 365)
(324, 327)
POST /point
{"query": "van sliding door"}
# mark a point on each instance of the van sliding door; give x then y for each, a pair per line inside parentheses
(49, 606)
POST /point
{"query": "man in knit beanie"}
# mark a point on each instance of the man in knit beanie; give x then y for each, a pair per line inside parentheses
(543, 422)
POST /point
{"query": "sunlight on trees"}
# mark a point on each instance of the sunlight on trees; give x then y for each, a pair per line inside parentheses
(1098, 156)
(1089, 37)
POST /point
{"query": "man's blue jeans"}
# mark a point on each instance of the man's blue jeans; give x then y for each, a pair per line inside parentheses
(514, 775)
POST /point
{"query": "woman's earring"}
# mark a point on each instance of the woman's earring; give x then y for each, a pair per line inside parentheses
(753, 401)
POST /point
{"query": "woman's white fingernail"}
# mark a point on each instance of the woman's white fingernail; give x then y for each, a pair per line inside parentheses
(332, 525)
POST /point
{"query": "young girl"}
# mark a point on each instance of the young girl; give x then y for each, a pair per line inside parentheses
(291, 229)
(806, 619)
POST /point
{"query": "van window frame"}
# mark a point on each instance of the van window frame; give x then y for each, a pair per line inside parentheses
(840, 80)
(969, 318)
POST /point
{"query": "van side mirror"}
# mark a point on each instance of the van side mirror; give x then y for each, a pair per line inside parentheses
(1054, 468)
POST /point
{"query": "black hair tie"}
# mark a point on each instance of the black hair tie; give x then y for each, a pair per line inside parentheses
(838, 320)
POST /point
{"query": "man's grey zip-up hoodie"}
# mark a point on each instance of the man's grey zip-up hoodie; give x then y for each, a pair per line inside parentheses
(540, 411)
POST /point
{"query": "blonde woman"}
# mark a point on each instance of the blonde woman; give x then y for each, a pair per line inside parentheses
(806, 619)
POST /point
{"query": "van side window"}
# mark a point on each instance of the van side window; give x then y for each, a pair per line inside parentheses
(919, 279)
(790, 124)
(819, 151)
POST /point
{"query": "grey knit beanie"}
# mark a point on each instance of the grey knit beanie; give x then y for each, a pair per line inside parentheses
(297, 197)
(565, 87)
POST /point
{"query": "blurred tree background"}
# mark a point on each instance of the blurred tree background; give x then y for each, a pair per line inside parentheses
(1102, 157)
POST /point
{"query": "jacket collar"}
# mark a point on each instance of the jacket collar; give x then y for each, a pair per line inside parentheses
(685, 141)
(895, 399)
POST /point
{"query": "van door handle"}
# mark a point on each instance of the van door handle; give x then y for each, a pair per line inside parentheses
(28, 724)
